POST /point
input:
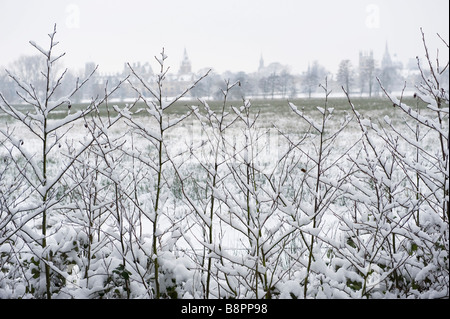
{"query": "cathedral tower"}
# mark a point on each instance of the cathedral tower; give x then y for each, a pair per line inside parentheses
(185, 67)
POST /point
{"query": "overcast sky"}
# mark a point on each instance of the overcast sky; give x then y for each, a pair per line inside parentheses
(225, 35)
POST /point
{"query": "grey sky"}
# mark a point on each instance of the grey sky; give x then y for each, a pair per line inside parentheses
(226, 35)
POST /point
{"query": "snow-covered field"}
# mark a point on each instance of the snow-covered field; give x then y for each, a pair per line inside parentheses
(321, 203)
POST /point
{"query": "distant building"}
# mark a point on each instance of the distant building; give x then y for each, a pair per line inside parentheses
(185, 67)
(386, 62)
(144, 70)
(177, 83)
(261, 64)
(390, 72)
(365, 58)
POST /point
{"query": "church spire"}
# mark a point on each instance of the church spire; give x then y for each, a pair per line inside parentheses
(185, 56)
(387, 61)
(185, 67)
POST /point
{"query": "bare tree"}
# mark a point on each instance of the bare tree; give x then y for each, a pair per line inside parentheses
(157, 108)
(36, 165)
(345, 74)
(367, 72)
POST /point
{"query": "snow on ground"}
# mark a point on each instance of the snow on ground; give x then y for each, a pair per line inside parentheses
(188, 240)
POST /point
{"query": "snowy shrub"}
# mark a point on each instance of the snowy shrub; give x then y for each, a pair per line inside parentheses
(138, 202)
(398, 228)
(155, 163)
(41, 161)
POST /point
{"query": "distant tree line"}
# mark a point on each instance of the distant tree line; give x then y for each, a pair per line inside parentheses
(270, 82)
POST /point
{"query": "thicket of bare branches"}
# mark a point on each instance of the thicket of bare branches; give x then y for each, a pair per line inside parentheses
(104, 203)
